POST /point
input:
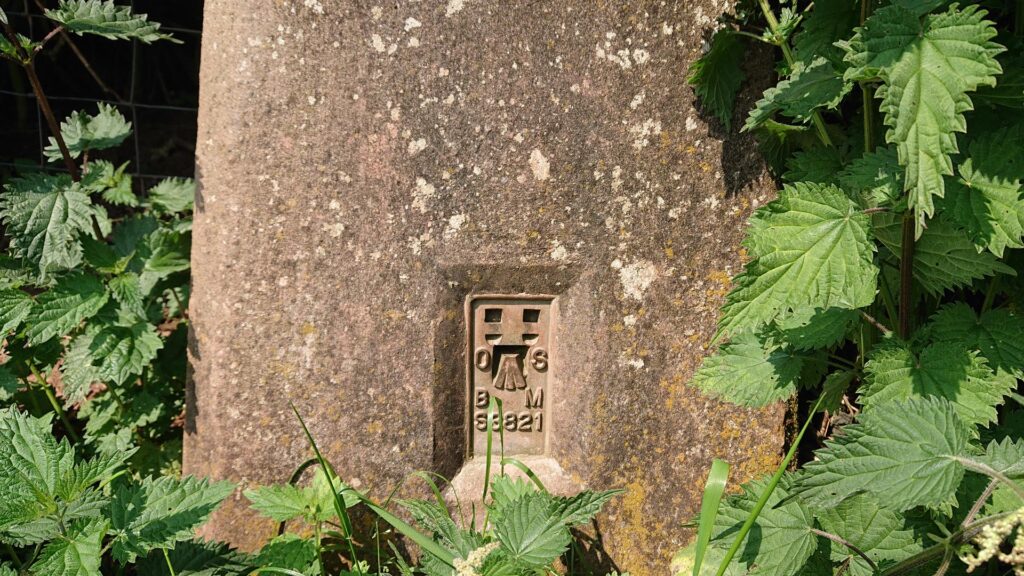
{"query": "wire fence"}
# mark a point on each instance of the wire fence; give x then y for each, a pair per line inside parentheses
(29, 13)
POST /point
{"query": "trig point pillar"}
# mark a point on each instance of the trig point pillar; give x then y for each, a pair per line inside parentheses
(408, 208)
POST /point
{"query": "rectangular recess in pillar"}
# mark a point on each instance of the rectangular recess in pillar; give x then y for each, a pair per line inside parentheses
(510, 340)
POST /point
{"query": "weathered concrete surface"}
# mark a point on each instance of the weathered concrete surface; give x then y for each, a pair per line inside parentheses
(365, 166)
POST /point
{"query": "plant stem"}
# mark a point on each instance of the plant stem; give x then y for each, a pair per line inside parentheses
(871, 320)
(68, 428)
(13, 554)
(766, 494)
(49, 37)
(170, 568)
(906, 273)
(840, 540)
(887, 299)
(991, 472)
(787, 54)
(980, 502)
(320, 549)
(961, 536)
(990, 294)
(51, 120)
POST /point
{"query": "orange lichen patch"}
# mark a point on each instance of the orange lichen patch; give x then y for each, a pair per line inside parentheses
(617, 327)
(375, 427)
(450, 314)
(669, 252)
(705, 167)
(307, 329)
(675, 389)
(394, 314)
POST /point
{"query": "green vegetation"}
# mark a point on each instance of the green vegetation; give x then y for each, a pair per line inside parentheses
(882, 287)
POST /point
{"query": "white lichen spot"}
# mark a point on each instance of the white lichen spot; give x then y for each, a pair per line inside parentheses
(539, 165)
(377, 42)
(414, 42)
(642, 133)
(282, 281)
(453, 7)
(691, 124)
(411, 23)
(559, 253)
(629, 321)
(634, 363)
(637, 277)
(616, 264)
(376, 12)
(637, 100)
(334, 205)
(334, 230)
(666, 29)
(314, 5)
(455, 223)
(641, 56)
(422, 194)
(616, 178)
(417, 146)
(575, 88)
(311, 100)
(442, 72)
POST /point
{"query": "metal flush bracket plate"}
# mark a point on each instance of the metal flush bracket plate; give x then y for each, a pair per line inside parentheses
(509, 340)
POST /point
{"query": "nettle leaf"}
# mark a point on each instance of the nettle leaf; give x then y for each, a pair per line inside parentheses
(928, 66)
(59, 310)
(75, 553)
(780, 541)
(128, 292)
(808, 88)
(996, 334)
(280, 503)
(106, 19)
(197, 558)
(750, 372)
(157, 513)
(945, 370)
(530, 533)
(716, 76)
(44, 215)
(77, 371)
(881, 534)
(581, 508)
(834, 388)
(944, 257)
(288, 551)
(829, 22)
(15, 306)
(819, 164)
(809, 328)
(33, 459)
(985, 198)
(901, 452)
(83, 132)
(173, 195)
(169, 252)
(812, 248)
(875, 176)
(1006, 457)
(124, 351)
(112, 183)
(9, 384)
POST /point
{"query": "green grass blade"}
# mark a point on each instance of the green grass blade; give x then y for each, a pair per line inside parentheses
(713, 490)
(749, 523)
(526, 470)
(425, 542)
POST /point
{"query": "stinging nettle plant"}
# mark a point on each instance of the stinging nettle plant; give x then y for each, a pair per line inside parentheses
(882, 285)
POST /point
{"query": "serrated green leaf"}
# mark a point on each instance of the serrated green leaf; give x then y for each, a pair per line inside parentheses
(985, 197)
(928, 66)
(112, 183)
(76, 553)
(881, 534)
(829, 22)
(582, 507)
(289, 551)
(834, 388)
(280, 503)
(876, 176)
(15, 306)
(157, 513)
(436, 520)
(819, 164)
(197, 558)
(996, 334)
(124, 351)
(901, 452)
(173, 195)
(128, 293)
(77, 370)
(944, 257)
(530, 533)
(59, 311)
(1005, 456)
(716, 76)
(945, 370)
(3, 16)
(812, 248)
(32, 456)
(506, 489)
(812, 87)
(82, 132)
(9, 384)
(781, 541)
(169, 252)
(750, 372)
(106, 19)
(810, 328)
(44, 215)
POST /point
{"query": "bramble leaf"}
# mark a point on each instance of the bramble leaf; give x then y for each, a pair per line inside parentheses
(808, 88)
(157, 513)
(928, 66)
(812, 248)
(59, 310)
(945, 370)
(44, 215)
(716, 76)
(750, 372)
(901, 452)
(83, 132)
(106, 19)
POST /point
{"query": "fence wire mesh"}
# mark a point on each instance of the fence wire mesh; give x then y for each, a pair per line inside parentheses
(155, 86)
